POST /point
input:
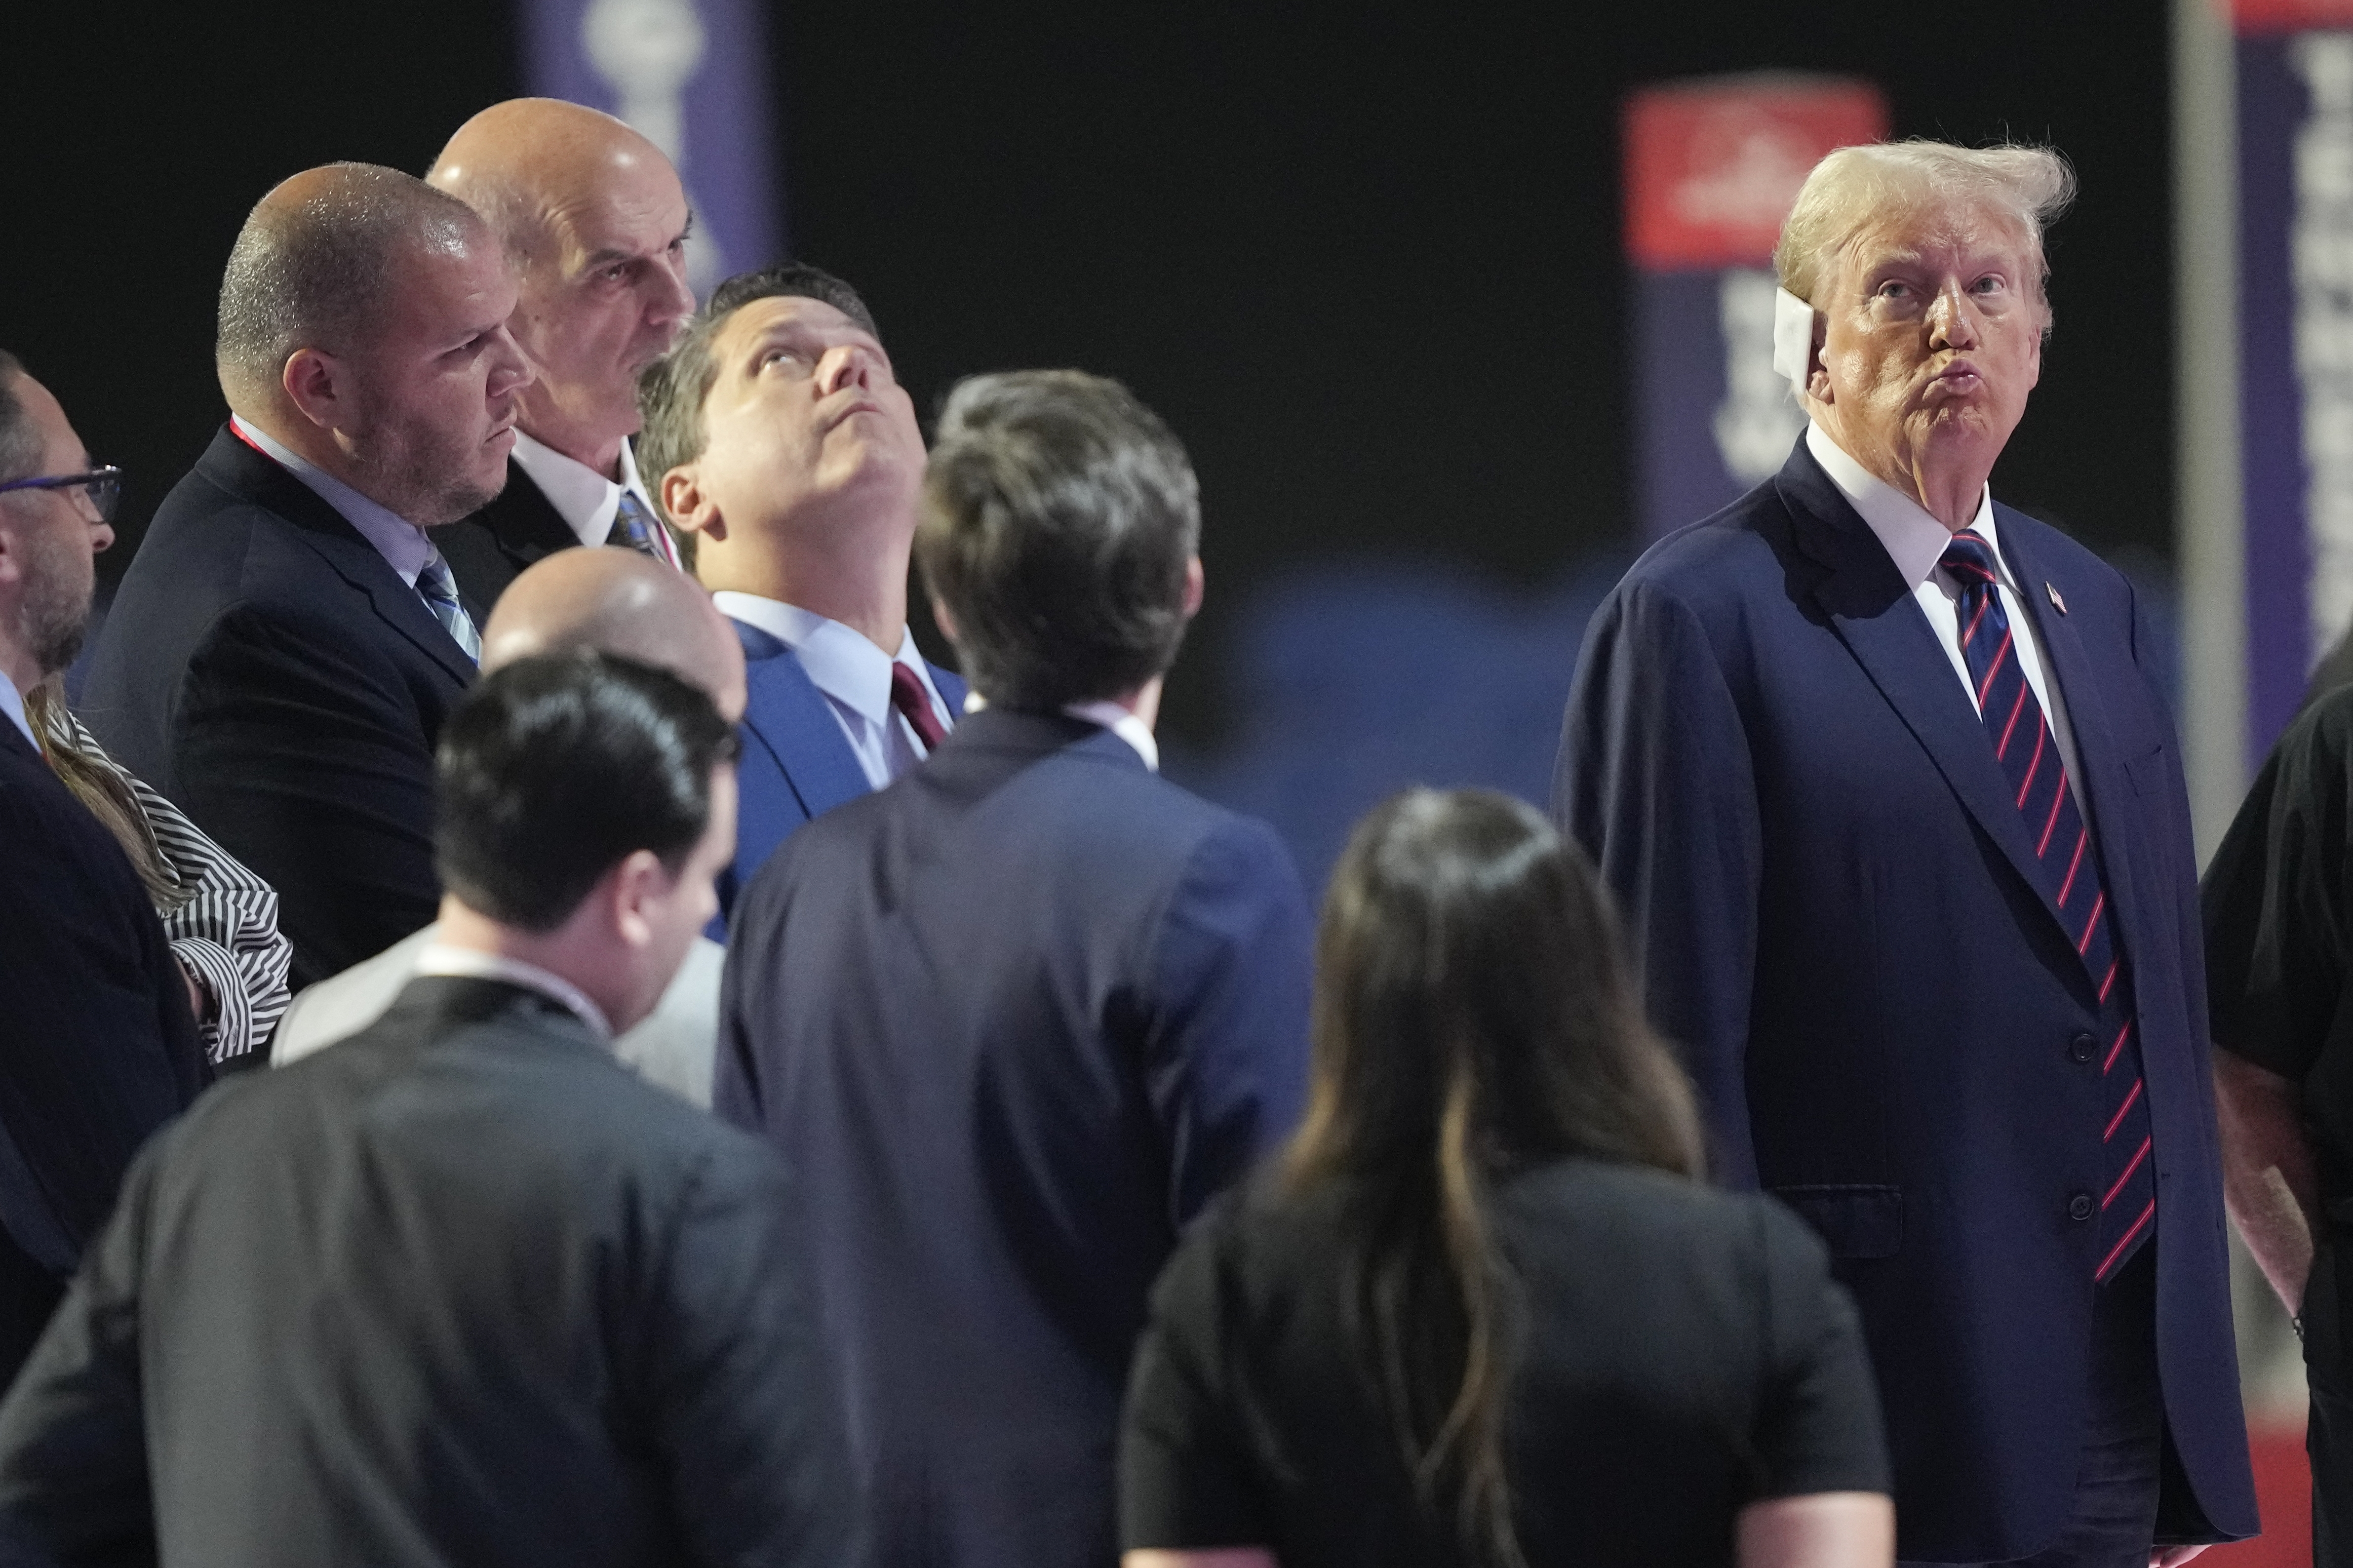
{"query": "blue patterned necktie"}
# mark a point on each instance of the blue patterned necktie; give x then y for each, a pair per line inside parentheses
(440, 591)
(2127, 1203)
(635, 527)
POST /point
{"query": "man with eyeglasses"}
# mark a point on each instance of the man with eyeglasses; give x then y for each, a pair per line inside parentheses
(101, 1046)
(284, 648)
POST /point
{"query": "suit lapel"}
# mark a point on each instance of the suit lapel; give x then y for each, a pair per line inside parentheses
(244, 471)
(1873, 613)
(525, 523)
(789, 718)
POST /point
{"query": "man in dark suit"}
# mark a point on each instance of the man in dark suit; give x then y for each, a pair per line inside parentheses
(595, 220)
(288, 641)
(1019, 1015)
(465, 1289)
(102, 1048)
(776, 436)
(1881, 775)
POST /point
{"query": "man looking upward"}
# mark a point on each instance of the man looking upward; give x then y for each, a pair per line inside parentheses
(594, 221)
(777, 435)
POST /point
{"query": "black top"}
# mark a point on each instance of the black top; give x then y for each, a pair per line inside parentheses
(2279, 922)
(462, 1289)
(1687, 1353)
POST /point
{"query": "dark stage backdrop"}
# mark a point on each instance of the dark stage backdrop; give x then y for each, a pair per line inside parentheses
(1369, 268)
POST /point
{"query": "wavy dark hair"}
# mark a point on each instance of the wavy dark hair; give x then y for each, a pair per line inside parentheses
(1474, 1015)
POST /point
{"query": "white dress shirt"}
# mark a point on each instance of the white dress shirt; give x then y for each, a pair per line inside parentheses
(12, 704)
(854, 675)
(1916, 542)
(1110, 715)
(585, 499)
(401, 542)
(470, 963)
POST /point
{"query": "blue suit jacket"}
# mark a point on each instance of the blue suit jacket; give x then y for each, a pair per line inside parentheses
(796, 762)
(1016, 1018)
(1833, 898)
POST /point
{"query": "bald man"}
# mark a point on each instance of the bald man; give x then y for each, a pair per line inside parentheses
(596, 221)
(616, 602)
(288, 640)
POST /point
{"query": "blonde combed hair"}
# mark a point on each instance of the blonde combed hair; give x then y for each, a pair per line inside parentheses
(1855, 186)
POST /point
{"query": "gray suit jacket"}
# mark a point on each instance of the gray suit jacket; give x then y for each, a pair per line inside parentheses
(463, 1290)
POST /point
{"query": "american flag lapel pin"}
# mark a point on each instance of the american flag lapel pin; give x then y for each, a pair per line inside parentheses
(2057, 603)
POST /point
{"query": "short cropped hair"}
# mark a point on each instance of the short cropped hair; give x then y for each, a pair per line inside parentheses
(1058, 518)
(20, 444)
(673, 391)
(1856, 187)
(313, 274)
(557, 767)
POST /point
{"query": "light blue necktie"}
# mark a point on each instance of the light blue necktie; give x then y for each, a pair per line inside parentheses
(440, 591)
(634, 527)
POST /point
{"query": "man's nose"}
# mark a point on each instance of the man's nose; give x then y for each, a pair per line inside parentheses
(511, 370)
(844, 364)
(101, 538)
(670, 301)
(1952, 319)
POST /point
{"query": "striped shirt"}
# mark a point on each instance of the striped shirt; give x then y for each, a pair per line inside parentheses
(222, 919)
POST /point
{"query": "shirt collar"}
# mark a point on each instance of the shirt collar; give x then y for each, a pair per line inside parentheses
(841, 663)
(470, 963)
(400, 541)
(1915, 540)
(1105, 712)
(12, 704)
(585, 498)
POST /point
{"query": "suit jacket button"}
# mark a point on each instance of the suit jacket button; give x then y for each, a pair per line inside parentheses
(2080, 1206)
(2082, 1047)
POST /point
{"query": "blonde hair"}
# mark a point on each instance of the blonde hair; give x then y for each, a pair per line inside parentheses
(1853, 186)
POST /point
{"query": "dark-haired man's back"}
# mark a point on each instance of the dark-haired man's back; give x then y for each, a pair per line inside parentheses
(462, 1289)
(1018, 1016)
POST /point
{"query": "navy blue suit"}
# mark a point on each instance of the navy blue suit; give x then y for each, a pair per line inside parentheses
(269, 673)
(100, 1051)
(1833, 897)
(1018, 1016)
(796, 762)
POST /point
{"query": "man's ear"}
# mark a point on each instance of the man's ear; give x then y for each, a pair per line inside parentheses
(314, 383)
(1194, 582)
(943, 618)
(15, 559)
(1818, 376)
(691, 508)
(636, 885)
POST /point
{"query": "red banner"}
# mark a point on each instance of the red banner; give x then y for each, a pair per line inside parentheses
(1711, 167)
(2260, 17)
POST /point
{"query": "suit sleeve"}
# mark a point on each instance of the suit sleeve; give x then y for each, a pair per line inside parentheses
(745, 1404)
(1654, 780)
(309, 763)
(101, 1050)
(2274, 900)
(1226, 1051)
(73, 1449)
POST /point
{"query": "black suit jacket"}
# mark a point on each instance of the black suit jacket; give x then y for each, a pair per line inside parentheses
(268, 671)
(463, 1289)
(489, 550)
(100, 1051)
(1015, 1019)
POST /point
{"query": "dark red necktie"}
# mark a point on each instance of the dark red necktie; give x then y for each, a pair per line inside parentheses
(2127, 1203)
(908, 696)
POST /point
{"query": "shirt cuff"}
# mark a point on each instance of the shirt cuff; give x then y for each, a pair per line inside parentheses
(230, 1032)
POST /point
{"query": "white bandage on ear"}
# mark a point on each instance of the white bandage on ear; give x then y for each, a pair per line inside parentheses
(1793, 337)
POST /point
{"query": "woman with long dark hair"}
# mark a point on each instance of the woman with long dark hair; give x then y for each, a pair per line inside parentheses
(1482, 1312)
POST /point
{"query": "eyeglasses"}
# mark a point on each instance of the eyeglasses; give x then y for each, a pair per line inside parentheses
(101, 487)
